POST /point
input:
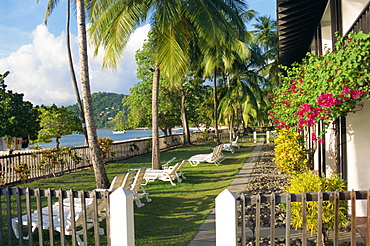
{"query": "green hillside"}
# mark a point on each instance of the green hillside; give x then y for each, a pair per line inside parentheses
(106, 106)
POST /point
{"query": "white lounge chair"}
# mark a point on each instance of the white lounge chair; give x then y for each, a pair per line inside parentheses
(235, 143)
(215, 157)
(78, 221)
(179, 173)
(136, 186)
(34, 223)
(67, 218)
(168, 162)
(168, 174)
(228, 147)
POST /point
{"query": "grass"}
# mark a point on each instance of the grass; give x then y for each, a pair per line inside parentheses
(176, 212)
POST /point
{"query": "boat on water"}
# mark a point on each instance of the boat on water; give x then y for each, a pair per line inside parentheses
(119, 132)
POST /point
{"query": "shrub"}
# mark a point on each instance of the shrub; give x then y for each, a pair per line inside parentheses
(22, 171)
(105, 145)
(290, 154)
(311, 182)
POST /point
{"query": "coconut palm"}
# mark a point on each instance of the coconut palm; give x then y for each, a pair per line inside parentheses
(51, 5)
(266, 37)
(101, 177)
(175, 23)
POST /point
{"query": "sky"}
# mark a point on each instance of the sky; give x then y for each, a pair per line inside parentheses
(35, 54)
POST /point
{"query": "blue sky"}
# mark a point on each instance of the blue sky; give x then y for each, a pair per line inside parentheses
(35, 54)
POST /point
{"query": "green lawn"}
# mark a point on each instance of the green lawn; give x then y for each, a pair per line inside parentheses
(176, 212)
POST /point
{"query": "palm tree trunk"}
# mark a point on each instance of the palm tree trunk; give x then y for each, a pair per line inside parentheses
(101, 177)
(156, 165)
(184, 119)
(72, 70)
(215, 105)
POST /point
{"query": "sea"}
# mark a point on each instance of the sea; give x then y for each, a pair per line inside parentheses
(79, 139)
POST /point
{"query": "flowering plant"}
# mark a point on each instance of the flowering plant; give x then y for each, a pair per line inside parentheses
(323, 87)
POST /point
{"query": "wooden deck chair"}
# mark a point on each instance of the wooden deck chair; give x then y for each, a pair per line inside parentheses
(215, 157)
(170, 174)
(136, 186)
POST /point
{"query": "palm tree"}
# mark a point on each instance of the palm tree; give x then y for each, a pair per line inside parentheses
(175, 22)
(222, 58)
(71, 68)
(51, 5)
(96, 159)
(267, 39)
(101, 177)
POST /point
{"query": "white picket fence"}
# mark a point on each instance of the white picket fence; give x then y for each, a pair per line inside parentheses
(109, 214)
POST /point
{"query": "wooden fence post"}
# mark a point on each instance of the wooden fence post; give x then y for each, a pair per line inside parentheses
(226, 219)
(122, 231)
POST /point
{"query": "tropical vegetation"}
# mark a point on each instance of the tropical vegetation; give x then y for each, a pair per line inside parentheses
(191, 42)
(56, 122)
(170, 106)
(183, 31)
(18, 118)
(324, 87)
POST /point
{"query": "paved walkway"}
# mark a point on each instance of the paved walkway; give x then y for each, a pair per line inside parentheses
(206, 235)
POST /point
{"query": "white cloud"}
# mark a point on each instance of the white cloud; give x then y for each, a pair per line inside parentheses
(40, 70)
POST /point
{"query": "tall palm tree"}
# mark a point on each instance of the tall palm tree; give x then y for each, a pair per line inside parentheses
(101, 177)
(175, 23)
(267, 39)
(72, 70)
(50, 8)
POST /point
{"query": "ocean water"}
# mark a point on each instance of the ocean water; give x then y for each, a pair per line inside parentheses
(79, 139)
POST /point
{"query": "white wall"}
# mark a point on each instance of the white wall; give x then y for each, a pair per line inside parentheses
(350, 11)
(358, 152)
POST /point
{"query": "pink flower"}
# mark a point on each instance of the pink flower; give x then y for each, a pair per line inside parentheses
(269, 94)
(357, 93)
(314, 138)
(327, 100)
(321, 141)
(346, 90)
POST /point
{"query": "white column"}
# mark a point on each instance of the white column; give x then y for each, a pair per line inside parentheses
(268, 137)
(226, 219)
(122, 231)
(255, 137)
